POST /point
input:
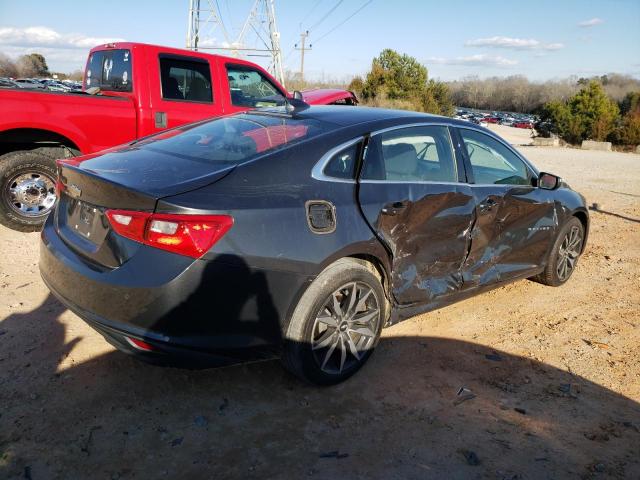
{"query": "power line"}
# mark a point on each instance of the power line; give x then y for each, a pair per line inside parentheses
(344, 21)
(326, 15)
(313, 8)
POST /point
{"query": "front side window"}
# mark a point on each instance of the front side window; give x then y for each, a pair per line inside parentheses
(110, 70)
(250, 88)
(187, 80)
(414, 154)
(492, 162)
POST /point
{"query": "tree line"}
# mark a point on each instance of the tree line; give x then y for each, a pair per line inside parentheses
(32, 65)
(518, 94)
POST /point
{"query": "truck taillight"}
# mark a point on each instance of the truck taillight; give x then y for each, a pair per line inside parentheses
(190, 235)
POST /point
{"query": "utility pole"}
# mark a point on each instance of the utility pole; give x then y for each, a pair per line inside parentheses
(303, 38)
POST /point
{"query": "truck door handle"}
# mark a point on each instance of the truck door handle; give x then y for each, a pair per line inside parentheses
(160, 119)
(395, 208)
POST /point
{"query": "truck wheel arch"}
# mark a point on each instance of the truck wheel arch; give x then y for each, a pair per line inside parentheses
(31, 138)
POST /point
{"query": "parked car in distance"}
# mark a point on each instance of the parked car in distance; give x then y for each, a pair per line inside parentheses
(8, 83)
(135, 90)
(299, 232)
(29, 83)
(523, 124)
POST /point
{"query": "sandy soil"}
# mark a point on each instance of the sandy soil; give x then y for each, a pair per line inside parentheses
(552, 379)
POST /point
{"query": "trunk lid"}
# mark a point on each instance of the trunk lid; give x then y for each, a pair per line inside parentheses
(127, 179)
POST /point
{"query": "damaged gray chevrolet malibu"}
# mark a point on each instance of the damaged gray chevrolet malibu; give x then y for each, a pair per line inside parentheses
(300, 233)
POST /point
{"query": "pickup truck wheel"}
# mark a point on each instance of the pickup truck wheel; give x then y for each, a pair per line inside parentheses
(27, 189)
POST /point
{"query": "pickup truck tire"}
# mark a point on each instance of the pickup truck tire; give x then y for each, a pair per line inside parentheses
(27, 188)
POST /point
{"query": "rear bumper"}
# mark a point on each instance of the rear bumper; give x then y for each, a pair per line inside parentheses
(195, 313)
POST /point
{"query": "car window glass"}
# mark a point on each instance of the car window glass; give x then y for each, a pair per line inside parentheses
(411, 154)
(185, 80)
(343, 163)
(249, 88)
(233, 139)
(110, 70)
(492, 162)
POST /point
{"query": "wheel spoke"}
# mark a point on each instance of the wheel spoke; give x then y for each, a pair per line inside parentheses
(324, 340)
(330, 352)
(352, 347)
(364, 331)
(328, 320)
(363, 301)
(336, 306)
(353, 294)
(343, 353)
(366, 317)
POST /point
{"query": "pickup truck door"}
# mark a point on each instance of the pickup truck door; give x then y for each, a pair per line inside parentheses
(412, 197)
(186, 91)
(248, 87)
(515, 221)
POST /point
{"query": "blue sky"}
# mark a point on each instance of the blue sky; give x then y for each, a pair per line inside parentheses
(541, 39)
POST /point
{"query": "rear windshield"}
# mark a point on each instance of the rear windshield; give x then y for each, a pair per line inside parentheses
(236, 139)
(110, 70)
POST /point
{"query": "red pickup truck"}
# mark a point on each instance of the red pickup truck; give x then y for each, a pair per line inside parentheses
(130, 90)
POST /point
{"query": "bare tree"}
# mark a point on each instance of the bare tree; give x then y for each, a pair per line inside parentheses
(7, 67)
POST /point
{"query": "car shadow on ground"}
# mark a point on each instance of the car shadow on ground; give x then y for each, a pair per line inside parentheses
(423, 407)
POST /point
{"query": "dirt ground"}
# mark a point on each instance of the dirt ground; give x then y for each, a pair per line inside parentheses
(552, 379)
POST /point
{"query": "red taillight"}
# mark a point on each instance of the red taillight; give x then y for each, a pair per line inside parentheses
(139, 344)
(191, 235)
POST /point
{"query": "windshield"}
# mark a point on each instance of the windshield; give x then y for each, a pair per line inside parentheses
(233, 140)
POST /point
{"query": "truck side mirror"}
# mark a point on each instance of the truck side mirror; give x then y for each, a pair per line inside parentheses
(297, 95)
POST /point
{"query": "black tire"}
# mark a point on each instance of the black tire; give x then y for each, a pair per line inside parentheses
(299, 355)
(551, 276)
(37, 163)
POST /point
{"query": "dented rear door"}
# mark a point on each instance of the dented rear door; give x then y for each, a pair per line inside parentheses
(411, 196)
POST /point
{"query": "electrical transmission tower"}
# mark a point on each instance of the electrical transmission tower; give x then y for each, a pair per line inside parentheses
(259, 36)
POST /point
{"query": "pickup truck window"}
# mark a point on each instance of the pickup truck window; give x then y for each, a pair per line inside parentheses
(249, 88)
(185, 80)
(110, 70)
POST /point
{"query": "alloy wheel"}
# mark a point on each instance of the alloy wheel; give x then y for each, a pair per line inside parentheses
(568, 253)
(345, 328)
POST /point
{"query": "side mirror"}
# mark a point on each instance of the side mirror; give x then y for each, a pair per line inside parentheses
(548, 181)
(297, 95)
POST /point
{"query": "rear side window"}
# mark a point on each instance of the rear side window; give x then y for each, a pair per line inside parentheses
(250, 88)
(343, 164)
(492, 162)
(110, 70)
(414, 154)
(233, 140)
(187, 80)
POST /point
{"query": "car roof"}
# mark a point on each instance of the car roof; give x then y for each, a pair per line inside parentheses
(345, 116)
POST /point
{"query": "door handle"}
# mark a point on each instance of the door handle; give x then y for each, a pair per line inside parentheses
(487, 205)
(395, 208)
(160, 120)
